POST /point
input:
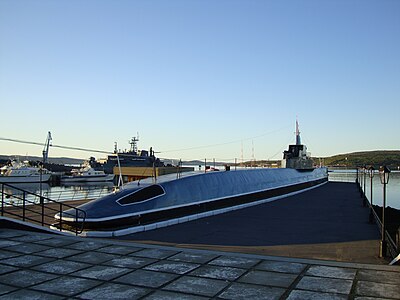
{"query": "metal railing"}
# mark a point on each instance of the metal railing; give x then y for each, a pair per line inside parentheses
(392, 248)
(38, 209)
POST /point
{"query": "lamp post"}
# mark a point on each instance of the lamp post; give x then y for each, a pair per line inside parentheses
(384, 173)
(371, 173)
(357, 179)
(365, 179)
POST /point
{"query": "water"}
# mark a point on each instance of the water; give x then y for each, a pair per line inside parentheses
(392, 188)
(68, 192)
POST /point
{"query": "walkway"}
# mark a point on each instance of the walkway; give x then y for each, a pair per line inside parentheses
(328, 222)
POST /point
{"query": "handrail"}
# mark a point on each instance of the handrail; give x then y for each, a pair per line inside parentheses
(43, 200)
(392, 247)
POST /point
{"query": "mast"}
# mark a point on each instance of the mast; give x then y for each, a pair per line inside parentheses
(298, 140)
(133, 143)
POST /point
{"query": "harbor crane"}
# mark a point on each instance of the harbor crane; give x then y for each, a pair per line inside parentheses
(47, 145)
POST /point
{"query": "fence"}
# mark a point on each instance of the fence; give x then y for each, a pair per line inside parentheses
(28, 206)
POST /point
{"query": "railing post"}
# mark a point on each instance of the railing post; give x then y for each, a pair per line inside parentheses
(42, 204)
(76, 221)
(23, 206)
(60, 212)
(2, 200)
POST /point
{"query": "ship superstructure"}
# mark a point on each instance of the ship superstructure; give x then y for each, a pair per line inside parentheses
(132, 158)
(297, 157)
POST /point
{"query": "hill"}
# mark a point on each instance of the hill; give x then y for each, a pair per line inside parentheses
(53, 160)
(390, 158)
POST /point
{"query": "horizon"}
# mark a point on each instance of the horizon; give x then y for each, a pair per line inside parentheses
(208, 160)
(200, 79)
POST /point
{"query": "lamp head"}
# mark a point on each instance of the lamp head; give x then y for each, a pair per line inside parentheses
(384, 174)
(371, 171)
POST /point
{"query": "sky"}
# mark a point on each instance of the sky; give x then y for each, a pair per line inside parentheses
(200, 79)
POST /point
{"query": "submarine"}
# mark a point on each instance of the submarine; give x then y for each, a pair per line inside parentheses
(174, 198)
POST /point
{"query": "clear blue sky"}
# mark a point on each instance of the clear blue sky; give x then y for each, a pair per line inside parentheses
(215, 76)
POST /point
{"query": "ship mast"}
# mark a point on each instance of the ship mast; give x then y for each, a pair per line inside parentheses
(298, 141)
(133, 143)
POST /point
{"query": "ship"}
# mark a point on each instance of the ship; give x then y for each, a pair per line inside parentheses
(131, 158)
(174, 198)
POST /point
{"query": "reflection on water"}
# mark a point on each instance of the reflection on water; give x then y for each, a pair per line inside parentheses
(392, 188)
(65, 192)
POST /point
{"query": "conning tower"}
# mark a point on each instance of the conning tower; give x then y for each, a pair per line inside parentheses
(297, 157)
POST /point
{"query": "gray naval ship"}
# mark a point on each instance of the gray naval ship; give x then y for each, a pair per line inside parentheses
(131, 158)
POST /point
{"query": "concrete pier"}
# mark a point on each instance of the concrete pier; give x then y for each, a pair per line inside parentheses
(328, 222)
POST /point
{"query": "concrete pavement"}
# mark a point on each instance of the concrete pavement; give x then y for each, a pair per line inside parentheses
(46, 266)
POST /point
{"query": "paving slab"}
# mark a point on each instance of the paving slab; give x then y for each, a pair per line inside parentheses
(102, 272)
(87, 245)
(25, 278)
(31, 238)
(377, 289)
(302, 295)
(174, 267)
(26, 248)
(26, 260)
(30, 295)
(218, 272)
(331, 272)
(200, 258)
(6, 233)
(245, 291)
(114, 291)
(57, 242)
(281, 266)
(92, 257)
(8, 243)
(268, 278)
(4, 289)
(59, 252)
(62, 267)
(147, 278)
(329, 285)
(8, 254)
(379, 276)
(130, 262)
(155, 253)
(7, 269)
(112, 249)
(166, 295)
(234, 261)
(197, 286)
(67, 286)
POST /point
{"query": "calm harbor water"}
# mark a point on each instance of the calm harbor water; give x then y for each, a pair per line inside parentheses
(95, 190)
(392, 188)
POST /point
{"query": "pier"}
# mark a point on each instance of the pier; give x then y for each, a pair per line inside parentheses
(328, 222)
(317, 244)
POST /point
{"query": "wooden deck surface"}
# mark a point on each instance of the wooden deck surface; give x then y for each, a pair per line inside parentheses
(33, 213)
